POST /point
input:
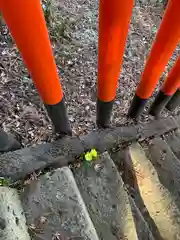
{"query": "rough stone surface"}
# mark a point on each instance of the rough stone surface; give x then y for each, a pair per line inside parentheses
(8, 142)
(19, 164)
(142, 227)
(159, 202)
(56, 200)
(106, 199)
(12, 219)
(173, 141)
(167, 166)
(54, 205)
(157, 127)
(108, 138)
(177, 118)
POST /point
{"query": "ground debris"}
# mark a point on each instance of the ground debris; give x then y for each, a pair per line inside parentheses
(73, 29)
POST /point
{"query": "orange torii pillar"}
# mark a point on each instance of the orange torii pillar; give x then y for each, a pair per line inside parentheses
(165, 43)
(114, 19)
(174, 102)
(26, 22)
(169, 88)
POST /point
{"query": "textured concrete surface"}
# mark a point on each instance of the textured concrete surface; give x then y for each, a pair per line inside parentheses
(159, 202)
(8, 142)
(142, 228)
(97, 205)
(177, 119)
(167, 166)
(123, 161)
(173, 141)
(12, 219)
(56, 198)
(106, 199)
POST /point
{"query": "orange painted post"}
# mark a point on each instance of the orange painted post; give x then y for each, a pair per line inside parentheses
(114, 19)
(169, 88)
(165, 43)
(26, 22)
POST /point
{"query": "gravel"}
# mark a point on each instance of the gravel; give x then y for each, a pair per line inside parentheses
(73, 28)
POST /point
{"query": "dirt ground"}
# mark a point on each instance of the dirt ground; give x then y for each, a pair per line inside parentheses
(73, 26)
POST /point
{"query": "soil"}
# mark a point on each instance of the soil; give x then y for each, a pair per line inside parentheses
(73, 29)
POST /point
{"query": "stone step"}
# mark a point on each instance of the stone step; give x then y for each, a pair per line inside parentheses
(54, 207)
(12, 219)
(167, 166)
(155, 200)
(173, 141)
(122, 160)
(106, 199)
(142, 228)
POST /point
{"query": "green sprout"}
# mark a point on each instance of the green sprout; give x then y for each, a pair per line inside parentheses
(4, 182)
(88, 157)
(92, 155)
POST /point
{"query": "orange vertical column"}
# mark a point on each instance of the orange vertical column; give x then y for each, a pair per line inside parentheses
(169, 88)
(167, 38)
(114, 18)
(26, 22)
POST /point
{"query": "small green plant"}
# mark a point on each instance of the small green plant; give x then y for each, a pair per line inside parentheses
(90, 156)
(4, 182)
(47, 9)
(154, 30)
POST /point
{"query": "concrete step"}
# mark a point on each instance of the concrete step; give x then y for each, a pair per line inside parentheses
(54, 208)
(106, 199)
(167, 166)
(156, 201)
(12, 219)
(142, 228)
(122, 160)
(173, 141)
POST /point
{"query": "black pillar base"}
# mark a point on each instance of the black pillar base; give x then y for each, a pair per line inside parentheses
(174, 102)
(103, 113)
(59, 118)
(137, 107)
(159, 104)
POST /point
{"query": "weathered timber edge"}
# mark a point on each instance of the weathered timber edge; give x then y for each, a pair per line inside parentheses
(18, 164)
